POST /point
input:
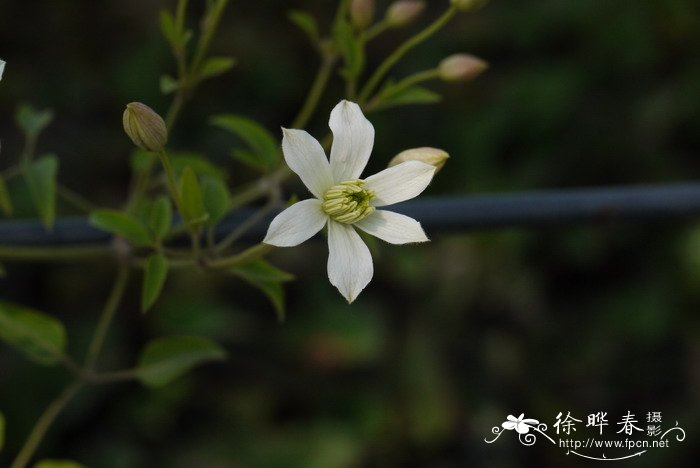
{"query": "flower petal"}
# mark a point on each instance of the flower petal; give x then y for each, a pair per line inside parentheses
(399, 183)
(392, 227)
(306, 158)
(508, 425)
(350, 266)
(522, 428)
(296, 224)
(353, 139)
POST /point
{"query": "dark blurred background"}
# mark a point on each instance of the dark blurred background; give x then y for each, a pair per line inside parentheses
(449, 337)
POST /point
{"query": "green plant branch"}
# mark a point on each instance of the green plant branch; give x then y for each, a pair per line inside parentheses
(248, 255)
(75, 199)
(402, 50)
(317, 88)
(211, 24)
(107, 316)
(420, 77)
(246, 225)
(44, 422)
(374, 31)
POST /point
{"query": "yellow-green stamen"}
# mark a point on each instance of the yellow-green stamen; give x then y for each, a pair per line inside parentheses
(348, 202)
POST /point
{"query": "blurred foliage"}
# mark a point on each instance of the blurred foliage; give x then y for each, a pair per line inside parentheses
(450, 337)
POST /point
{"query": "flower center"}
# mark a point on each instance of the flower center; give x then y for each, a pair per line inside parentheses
(348, 202)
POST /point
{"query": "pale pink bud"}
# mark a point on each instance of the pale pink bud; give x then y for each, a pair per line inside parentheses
(361, 13)
(404, 12)
(461, 67)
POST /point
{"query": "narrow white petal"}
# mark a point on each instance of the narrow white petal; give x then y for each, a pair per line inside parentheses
(393, 227)
(353, 139)
(399, 183)
(2, 68)
(350, 266)
(296, 224)
(306, 158)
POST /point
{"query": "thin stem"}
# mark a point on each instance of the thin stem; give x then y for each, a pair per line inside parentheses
(245, 226)
(401, 86)
(375, 31)
(28, 151)
(107, 316)
(53, 254)
(211, 23)
(175, 108)
(44, 423)
(180, 12)
(172, 184)
(103, 378)
(403, 49)
(75, 199)
(259, 188)
(248, 255)
(317, 88)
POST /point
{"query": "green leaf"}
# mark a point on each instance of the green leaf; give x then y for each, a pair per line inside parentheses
(250, 159)
(166, 359)
(306, 23)
(192, 198)
(121, 224)
(2, 431)
(262, 144)
(351, 48)
(58, 464)
(154, 276)
(262, 270)
(31, 121)
(168, 28)
(408, 96)
(268, 279)
(39, 337)
(217, 199)
(168, 84)
(161, 218)
(41, 180)
(5, 200)
(215, 66)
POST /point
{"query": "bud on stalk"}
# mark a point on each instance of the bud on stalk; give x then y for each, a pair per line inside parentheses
(145, 127)
(461, 67)
(404, 12)
(433, 156)
(361, 13)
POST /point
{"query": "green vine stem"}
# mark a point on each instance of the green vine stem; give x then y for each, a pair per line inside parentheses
(402, 50)
(420, 77)
(107, 316)
(44, 422)
(84, 375)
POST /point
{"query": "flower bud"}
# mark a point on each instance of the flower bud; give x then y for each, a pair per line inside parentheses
(145, 127)
(404, 12)
(461, 67)
(361, 13)
(433, 156)
(467, 5)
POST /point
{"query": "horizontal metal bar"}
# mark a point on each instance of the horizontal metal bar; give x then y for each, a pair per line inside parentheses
(462, 213)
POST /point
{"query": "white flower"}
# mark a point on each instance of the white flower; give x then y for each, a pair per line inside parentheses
(344, 201)
(2, 68)
(521, 425)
